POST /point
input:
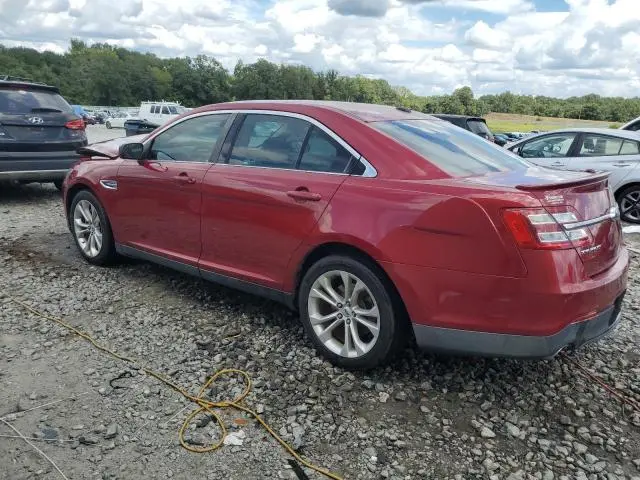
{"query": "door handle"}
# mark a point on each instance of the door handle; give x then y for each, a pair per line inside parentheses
(621, 164)
(184, 178)
(304, 195)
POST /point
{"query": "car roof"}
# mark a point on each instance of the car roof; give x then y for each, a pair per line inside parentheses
(459, 117)
(366, 112)
(611, 132)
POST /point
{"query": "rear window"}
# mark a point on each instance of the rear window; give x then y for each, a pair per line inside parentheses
(455, 151)
(20, 102)
(478, 127)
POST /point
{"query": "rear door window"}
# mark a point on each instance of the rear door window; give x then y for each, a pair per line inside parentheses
(271, 141)
(455, 151)
(600, 146)
(630, 147)
(15, 101)
(323, 154)
(165, 111)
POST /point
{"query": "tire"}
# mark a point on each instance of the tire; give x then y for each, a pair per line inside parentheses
(391, 323)
(58, 184)
(629, 197)
(85, 201)
(108, 125)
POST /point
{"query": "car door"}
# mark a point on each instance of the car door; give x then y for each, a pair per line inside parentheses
(159, 203)
(616, 155)
(274, 180)
(550, 150)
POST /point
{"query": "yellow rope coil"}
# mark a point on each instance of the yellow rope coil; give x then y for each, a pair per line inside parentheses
(204, 404)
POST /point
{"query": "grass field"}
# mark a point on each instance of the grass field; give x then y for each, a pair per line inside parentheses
(507, 122)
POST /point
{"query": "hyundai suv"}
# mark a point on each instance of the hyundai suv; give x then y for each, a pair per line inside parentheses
(39, 132)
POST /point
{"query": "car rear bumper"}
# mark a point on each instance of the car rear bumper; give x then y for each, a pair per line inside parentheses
(37, 166)
(521, 346)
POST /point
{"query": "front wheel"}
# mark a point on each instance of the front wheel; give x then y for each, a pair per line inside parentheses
(108, 125)
(629, 203)
(91, 229)
(348, 310)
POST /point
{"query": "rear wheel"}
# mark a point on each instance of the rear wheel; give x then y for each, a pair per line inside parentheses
(348, 311)
(91, 229)
(629, 203)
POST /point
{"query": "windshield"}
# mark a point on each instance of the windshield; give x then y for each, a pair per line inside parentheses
(455, 151)
(21, 102)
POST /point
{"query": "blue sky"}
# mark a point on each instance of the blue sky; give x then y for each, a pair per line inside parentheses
(546, 47)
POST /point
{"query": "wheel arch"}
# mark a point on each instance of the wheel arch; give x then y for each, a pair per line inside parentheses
(339, 248)
(622, 188)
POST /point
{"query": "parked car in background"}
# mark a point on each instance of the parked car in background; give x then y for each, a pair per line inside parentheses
(117, 120)
(476, 125)
(39, 132)
(633, 125)
(501, 139)
(605, 149)
(352, 213)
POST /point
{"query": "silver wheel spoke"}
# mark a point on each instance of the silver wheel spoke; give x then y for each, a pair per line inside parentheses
(346, 280)
(87, 228)
(85, 215)
(326, 285)
(358, 287)
(346, 347)
(372, 326)
(326, 334)
(360, 346)
(320, 319)
(318, 294)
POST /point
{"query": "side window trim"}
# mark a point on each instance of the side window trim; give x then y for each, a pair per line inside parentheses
(148, 144)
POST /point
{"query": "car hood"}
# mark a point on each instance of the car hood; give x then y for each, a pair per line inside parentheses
(109, 148)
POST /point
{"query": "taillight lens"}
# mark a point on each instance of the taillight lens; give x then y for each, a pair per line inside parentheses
(543, 229)
(75, 124)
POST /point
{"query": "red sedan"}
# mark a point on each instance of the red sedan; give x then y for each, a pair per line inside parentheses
(376, 223)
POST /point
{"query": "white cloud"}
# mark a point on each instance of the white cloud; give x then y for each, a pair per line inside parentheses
(586, 45)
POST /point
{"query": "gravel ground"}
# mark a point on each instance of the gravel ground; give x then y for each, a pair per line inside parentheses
(425, 416)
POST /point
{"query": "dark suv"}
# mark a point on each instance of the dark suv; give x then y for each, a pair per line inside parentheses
(39, 133)
(477, 125)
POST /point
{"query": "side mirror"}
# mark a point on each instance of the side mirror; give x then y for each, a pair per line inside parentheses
(131, 151)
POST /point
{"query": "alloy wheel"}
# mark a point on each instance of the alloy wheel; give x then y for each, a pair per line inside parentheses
(87, 228)
(630, 205)
(344, 314)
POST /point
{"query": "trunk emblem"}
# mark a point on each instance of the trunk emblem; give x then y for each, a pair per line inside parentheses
(554, 198)
(35, 120)
(587, 251)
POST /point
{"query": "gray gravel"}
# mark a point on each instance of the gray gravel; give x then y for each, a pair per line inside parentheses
(424, 416)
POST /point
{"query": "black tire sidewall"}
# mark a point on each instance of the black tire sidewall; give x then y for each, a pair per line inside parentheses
(107, 253)
(389, 323)
(619, 198)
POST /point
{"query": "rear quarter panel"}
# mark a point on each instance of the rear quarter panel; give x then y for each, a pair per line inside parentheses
(424, 223)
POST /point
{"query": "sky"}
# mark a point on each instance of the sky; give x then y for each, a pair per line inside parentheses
(544, 47)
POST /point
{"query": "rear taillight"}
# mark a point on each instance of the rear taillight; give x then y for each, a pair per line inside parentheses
(75, 124)
(538, 228)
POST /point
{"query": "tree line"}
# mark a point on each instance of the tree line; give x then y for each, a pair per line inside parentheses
(101, 74)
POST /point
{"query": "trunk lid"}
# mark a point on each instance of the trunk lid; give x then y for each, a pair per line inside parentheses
(586, 195)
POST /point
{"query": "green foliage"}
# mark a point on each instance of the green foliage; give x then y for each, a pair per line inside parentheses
(102, 74)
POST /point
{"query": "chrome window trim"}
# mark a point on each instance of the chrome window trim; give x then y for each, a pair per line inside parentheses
(369, 170)
(610, 215)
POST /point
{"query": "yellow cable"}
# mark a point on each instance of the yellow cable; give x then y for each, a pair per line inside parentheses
(205, 405)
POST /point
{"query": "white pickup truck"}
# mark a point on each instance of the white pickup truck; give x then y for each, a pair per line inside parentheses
(160, 113)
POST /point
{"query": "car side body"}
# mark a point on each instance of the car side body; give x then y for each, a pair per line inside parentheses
(433, 232)
(600, 149)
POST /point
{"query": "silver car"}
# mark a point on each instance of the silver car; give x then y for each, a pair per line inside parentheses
(601, 149)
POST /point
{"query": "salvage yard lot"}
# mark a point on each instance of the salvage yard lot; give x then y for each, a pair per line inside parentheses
(508, 122)
(425, 416)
